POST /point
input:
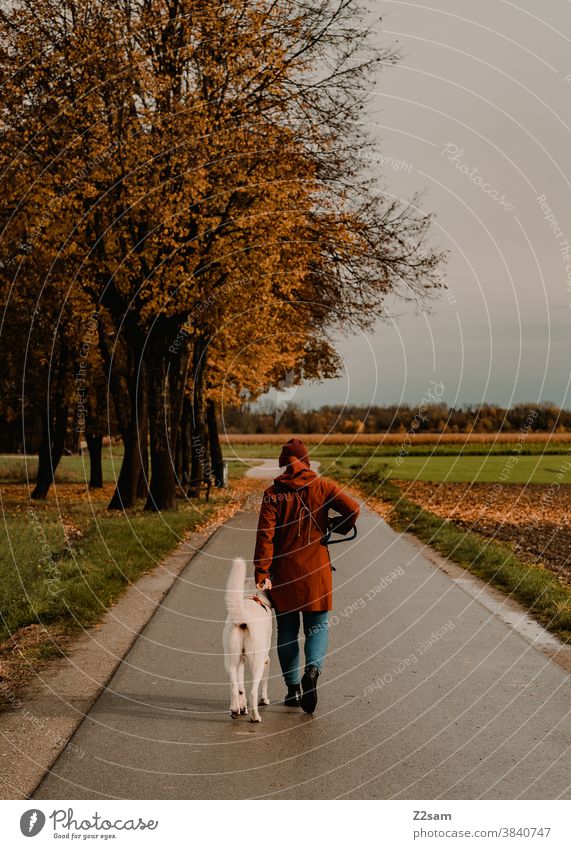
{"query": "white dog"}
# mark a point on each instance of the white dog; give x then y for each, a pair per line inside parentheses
(247, 638)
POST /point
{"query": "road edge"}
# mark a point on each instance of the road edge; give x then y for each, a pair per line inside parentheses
(495, 601)
(510, 610)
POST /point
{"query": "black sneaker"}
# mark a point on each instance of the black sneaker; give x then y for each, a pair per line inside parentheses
(293, 694)
(309, 689)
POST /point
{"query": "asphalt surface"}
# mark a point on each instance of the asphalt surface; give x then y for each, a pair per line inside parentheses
(426, 694)
(269, 468)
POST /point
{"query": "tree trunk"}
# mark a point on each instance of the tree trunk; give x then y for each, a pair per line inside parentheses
(162, 489)
(125, 373)
(75, 441)
(50, 453)
(143, 483)
(95, 447)
(185, 434)
(53, 441)
(178, 459)
(199, 466)
(216, 456)
(166, 379)
(125, 495)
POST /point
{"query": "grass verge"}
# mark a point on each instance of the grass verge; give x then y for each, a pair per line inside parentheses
(64, 562)
(535, 587)
(75, 583)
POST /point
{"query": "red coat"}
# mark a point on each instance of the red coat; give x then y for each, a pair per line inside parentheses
(293, 520)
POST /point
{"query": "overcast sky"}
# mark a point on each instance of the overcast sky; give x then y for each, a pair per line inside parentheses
(490, 82)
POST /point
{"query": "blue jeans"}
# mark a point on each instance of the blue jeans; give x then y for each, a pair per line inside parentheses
(316, 631)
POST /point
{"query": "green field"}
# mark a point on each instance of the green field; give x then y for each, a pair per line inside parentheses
(450, 464)
(533, 462)
(419, 449)
(75, 468)
(72, 469)
(459, 469)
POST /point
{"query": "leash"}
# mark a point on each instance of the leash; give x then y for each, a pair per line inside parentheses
(259, 600)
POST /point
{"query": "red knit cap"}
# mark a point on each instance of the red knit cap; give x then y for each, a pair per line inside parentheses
(294, 448)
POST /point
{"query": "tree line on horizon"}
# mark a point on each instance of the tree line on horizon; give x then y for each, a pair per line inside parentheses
(395, 418)
(188, 215)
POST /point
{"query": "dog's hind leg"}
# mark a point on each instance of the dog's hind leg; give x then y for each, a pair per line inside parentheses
(257, 672)
(232, 660)
(264, 696)
(241, 689)
(234, 688)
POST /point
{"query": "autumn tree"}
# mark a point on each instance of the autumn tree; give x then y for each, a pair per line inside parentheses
(181, 145)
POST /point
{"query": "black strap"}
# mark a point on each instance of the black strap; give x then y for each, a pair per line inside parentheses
(328, 541)
(325, 538)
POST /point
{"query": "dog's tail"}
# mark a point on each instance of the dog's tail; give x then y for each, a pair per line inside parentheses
(235, 591)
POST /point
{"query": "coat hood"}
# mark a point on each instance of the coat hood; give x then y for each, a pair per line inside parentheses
(296, 478)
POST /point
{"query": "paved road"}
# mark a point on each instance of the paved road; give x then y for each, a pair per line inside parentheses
(268, 468)
(426, 694)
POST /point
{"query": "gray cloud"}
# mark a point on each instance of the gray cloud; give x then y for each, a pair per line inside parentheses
(493, 81)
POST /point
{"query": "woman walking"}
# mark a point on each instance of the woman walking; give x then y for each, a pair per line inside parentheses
(291, 560)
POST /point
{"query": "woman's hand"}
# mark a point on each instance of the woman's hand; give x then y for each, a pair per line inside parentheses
(265, 585)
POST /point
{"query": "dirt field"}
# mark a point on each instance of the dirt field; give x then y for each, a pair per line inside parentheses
(534, 517)
(389, 438)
